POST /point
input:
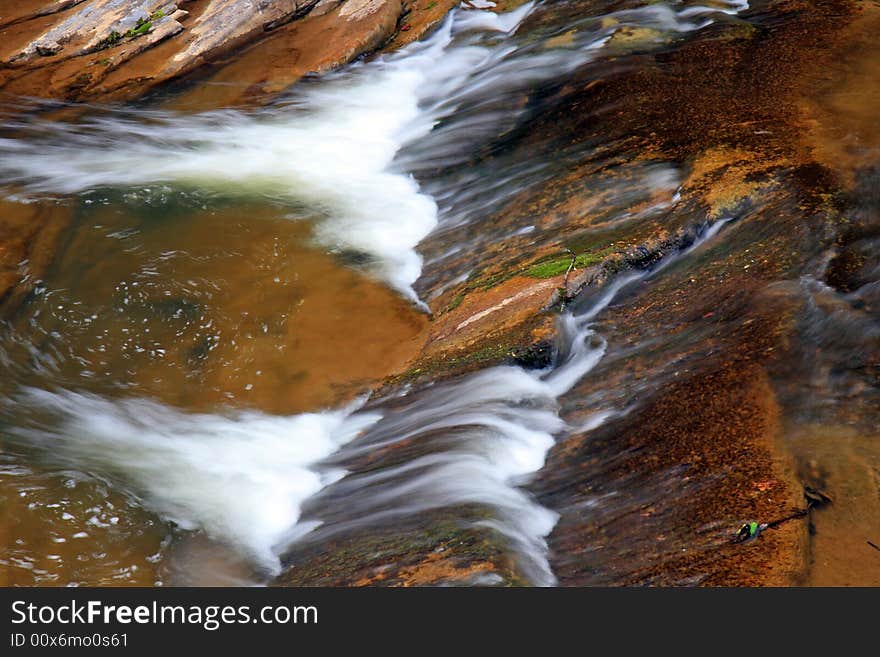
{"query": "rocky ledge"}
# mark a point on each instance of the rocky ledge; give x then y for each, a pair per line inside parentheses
(121, 49)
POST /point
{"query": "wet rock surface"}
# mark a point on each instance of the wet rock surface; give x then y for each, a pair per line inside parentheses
(731, 376)
(698, 376)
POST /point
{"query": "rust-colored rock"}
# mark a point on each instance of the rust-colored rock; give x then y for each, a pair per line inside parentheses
(120, 49)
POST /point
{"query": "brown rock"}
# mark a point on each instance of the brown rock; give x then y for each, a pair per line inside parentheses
(118, 50)
(331, 35)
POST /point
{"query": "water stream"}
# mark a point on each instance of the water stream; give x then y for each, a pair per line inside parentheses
(104, 421)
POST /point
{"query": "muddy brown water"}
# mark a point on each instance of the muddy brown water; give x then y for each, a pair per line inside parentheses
(199, 308)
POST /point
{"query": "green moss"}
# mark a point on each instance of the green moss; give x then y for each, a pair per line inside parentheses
(560, 265)
(490, 354)
(549, 268)
(142, 27)
(110, 40)
(588, 259)
(156, 15)
(495, 279)
(456, 302)
(480, 283)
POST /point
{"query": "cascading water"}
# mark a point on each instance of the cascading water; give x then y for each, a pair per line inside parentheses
(437, 97)
(370, 132)
(244, 478)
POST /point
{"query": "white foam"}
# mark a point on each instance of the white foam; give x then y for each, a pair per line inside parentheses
(242, 478)
(497, 427)
(331, 146)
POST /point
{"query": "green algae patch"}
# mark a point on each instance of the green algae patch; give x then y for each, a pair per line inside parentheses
(110, 40)
(456, 302)
(489, 354)
(516, 344)
(142, 27)
(560, 265)
(549, 267)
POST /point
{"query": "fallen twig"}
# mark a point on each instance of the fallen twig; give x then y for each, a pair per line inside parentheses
(751, 530)
(874, 545)
(564, 293)
(816, 498)
(799, 513)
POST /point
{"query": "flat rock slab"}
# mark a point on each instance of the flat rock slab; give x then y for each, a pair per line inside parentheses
(332, 34)
(119, 49)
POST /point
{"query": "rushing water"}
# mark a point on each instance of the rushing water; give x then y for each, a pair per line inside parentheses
(352, 126)
(243, 478)
(371, 161)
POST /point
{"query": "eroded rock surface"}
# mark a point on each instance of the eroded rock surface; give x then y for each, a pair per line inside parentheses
(119, 49)
(701, 359)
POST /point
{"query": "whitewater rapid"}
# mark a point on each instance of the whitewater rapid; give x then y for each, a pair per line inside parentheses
(243, 478)
(346, 148)
(333, 147)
